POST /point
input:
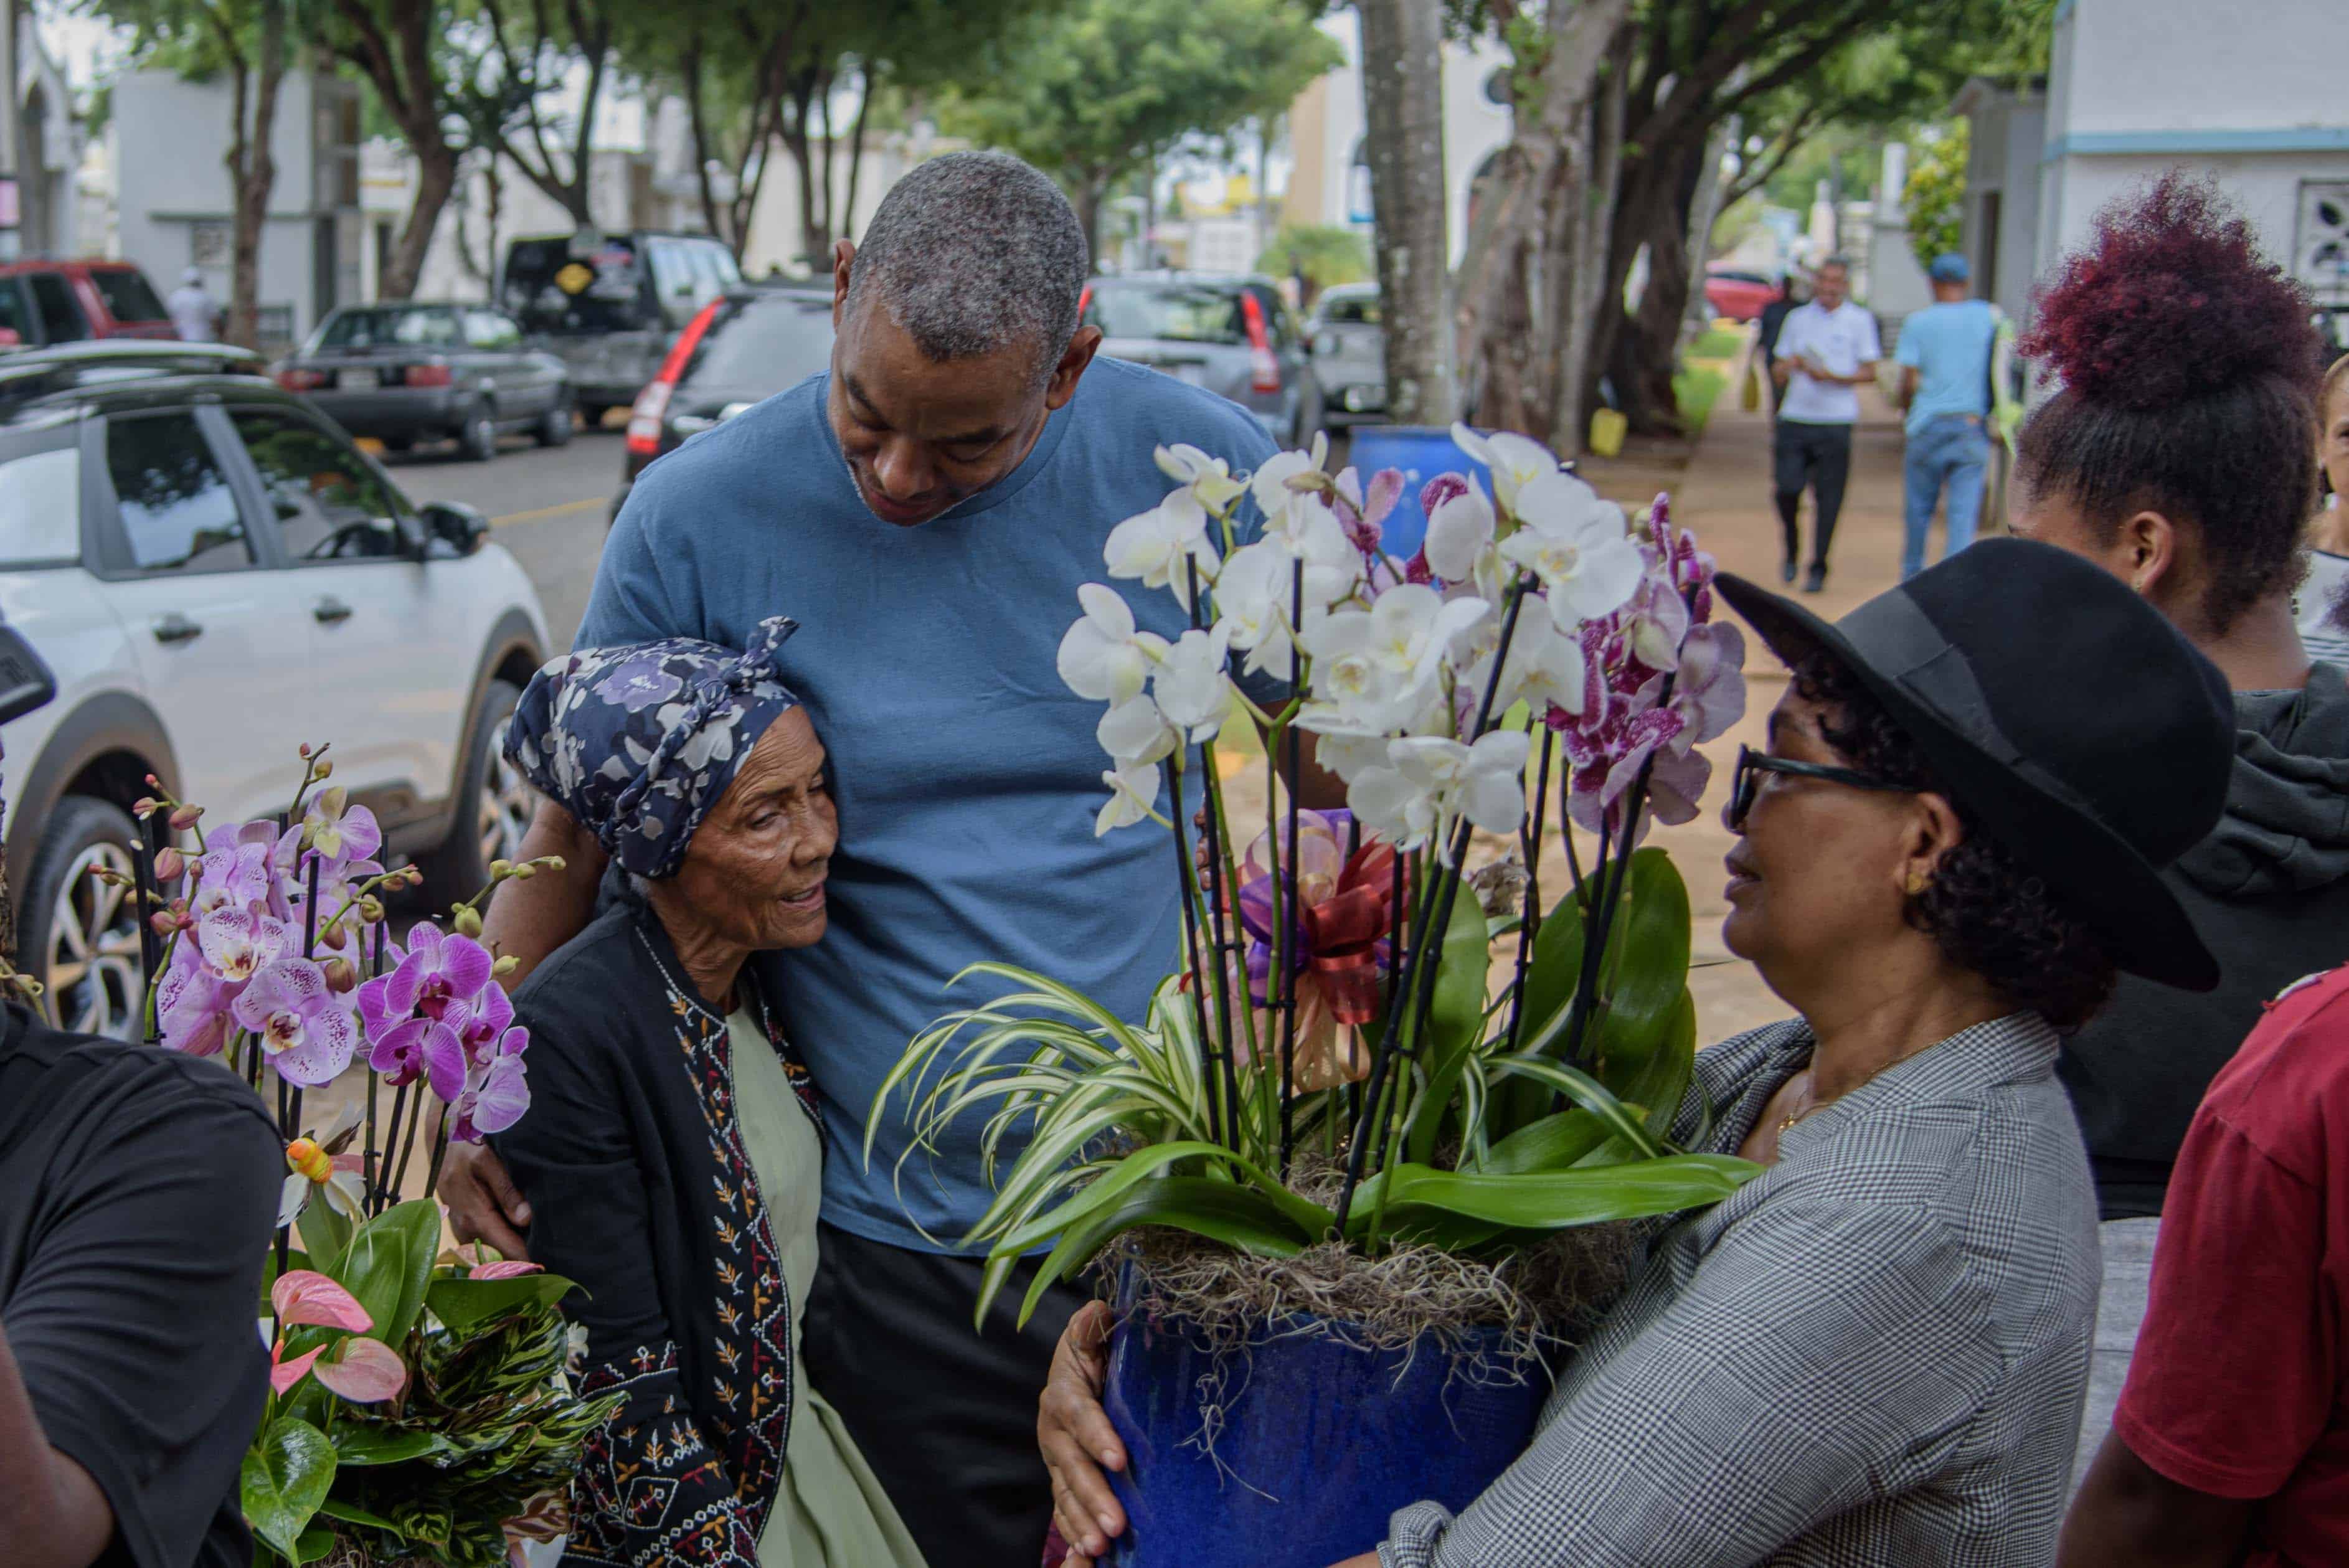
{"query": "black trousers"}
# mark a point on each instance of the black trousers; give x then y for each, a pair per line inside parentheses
(944, 1413)
(1817, 456)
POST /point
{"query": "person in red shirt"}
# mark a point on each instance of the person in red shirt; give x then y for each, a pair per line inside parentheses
(2231, 1442)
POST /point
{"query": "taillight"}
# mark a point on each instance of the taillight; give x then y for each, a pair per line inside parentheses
(300, 380)
(1084, 302)
(652, 403)
(427, 376)
(1263, 370)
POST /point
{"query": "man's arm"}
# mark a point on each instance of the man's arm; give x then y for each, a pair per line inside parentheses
(2130, 1515)
(52, 1514)
(1905, 393)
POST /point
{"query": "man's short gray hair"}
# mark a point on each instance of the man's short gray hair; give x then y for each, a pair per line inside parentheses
(975, 253)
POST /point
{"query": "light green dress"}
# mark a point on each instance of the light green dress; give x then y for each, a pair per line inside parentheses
(831, 1513)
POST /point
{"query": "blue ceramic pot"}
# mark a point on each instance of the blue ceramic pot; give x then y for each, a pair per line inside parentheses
(1420, 452)
(1317, 1442)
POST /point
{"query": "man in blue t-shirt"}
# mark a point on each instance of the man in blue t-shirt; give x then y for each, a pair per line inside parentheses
(927, 510)
(1945, 353)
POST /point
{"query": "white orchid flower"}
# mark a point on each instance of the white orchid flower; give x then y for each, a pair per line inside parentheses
(1193, 689)
(1134, 732)
(1460, 533)
(1309, 532)
(1133, 797)
(1270, 485)
(1207, 479)
(1102, 657)
(1428, 783)
(1159, 545)
(1252, 594)
(1545, 666)
(1373, 668)
(1347, 753)
(1514, 460)
(1577, 544)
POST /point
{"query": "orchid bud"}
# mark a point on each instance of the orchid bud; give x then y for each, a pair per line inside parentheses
(304, 751)
(467, 921)
(524, 872)
(163, 922)
(153, 782)
(371, 910)
(500, 868)
(323, 768)
(170, 865)
(307, 1161)
(341, 974)
(505, 966)
(335, 936)
(145, 807)
(553, 862)
(185, 817)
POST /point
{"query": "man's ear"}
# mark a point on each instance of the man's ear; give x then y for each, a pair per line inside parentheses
(1079, 354)
(843, 252)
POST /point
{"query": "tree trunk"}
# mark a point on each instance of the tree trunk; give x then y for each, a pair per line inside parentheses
(856, 146)
(1705, 210)
(1403, 99)
(1577, 294)
(1088, 195)
(436, 182)
(1646, 352)
(698, 121)
(253, 172)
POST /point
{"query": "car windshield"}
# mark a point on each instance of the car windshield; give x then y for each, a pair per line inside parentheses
(413, 328)
(1173, 313)
(127, 294)
(765, 344)
(602, 289)
(1359, 309)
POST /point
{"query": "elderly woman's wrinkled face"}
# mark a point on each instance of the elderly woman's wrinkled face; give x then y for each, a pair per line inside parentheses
(755, 874)
(1817, 875)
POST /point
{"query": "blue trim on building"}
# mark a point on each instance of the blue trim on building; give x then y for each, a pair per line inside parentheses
(2188, 143)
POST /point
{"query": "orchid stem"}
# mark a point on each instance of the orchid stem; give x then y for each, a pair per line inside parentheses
(1183, 870)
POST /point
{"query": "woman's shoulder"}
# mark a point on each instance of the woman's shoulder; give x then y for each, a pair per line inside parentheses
(589, 978)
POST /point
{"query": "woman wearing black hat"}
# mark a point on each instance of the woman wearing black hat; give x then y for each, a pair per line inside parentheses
(1874, 1353)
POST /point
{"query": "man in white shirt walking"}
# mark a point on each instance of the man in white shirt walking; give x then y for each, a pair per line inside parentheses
(194, 314)
(1826, 350)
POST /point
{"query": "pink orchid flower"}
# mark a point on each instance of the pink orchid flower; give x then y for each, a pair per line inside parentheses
(307, 1297)
(491, 1102)
(306, 1030)
(441, 969)
(239, 943)
(192, 1003)
(422, 1048)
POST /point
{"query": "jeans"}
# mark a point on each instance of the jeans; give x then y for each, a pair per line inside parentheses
(1951, 450)
(1818, 457)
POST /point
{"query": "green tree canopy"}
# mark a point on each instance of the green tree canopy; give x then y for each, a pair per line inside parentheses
(1327, 255)
(1935, 195)
(1104, 88)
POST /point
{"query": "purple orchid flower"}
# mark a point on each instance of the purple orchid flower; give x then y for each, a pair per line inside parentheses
(483, 1024)
(192, 1004)
(307, 1031)
(1364, 513)
(441, 969)
(377, 1014)
(422, 1048)
(233, 871)
(491, 1102)
(1709, 694)
(238, 943)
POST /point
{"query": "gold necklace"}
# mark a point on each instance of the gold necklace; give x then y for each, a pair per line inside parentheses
(1814, 1105)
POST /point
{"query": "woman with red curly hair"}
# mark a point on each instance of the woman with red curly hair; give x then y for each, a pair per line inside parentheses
(2179, 454)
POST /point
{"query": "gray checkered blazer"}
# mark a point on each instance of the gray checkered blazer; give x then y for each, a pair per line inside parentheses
(1870, 1356)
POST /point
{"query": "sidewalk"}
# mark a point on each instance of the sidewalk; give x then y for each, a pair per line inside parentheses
(1723, 493)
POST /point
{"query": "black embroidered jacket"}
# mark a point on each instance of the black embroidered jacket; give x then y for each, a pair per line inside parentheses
(641, 1190)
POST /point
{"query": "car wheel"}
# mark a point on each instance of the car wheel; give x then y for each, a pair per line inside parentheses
(494, 806)
(592, 413)
(82, 933)
(480, 436)
(555, 425)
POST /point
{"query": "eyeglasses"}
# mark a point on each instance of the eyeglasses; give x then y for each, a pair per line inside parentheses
(1747, 782)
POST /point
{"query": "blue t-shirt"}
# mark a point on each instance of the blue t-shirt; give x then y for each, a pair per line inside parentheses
(966, 776)
(1950, 345)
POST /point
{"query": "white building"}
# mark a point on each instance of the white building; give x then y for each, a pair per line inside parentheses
(47, 220)
(1329, 177)
(2137, 87)
(174, 209)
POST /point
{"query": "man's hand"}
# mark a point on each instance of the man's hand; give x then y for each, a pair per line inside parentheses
(1078, 1441)
(483, 1203)
(527, 921)
(52, 1514)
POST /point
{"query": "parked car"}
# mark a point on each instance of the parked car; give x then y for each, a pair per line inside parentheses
(747, 344)
(427, 371)
(216, 575)
(45, 303)
(1350, 354)
(612, 306)
(1736, 294)
(1233, 335)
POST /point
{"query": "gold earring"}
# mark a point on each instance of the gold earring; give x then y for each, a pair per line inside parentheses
(1915, 883)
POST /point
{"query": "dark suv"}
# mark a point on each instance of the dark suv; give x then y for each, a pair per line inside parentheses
(44, 303)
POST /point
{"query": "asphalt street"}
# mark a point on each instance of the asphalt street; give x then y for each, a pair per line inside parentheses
(546, 505)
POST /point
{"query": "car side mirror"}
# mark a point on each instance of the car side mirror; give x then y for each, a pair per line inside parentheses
(25, 683)
(453, 524)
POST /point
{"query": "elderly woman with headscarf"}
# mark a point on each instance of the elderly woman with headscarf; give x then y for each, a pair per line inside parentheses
(672, 1164)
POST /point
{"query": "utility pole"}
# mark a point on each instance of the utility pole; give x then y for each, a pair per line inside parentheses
(11, 134)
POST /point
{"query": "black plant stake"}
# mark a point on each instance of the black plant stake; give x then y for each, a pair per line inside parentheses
(367, 1155)
(1198, 973)
(1294, 889)
(1213, 807)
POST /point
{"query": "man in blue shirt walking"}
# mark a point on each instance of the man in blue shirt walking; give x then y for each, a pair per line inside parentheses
(1945, 354)
(927, 510)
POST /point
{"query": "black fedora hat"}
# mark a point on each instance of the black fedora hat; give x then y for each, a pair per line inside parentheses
(2063, 711)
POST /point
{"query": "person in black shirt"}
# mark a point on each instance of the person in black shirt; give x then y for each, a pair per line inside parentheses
(1794, 289)
(138, 1192)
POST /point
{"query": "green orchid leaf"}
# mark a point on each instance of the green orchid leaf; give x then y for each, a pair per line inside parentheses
(1553, 1143)
(324, 1231)
(388, 1265)
(1555, 1200)
(1645, 973)
(1308, 1217)
(1237, 1216)
(1621, 1120)
(352, 1513)
(361, 1443)
(1455, 1021)
(285, 1477)
(460, 1304)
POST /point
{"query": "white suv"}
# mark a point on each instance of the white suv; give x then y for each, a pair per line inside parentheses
(215, 575)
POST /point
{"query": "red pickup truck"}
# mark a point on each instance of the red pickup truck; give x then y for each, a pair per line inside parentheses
(44, 303)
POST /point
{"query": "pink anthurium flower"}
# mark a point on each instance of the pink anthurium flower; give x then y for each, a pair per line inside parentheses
(284, 1375)
(304, 1296)
(508, 1268)
(364, 1371)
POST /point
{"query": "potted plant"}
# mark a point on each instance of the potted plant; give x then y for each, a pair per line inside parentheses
(418, 1408)
(1370, 1158)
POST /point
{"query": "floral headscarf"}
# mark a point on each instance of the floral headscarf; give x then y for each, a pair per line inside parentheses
(639, 742)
